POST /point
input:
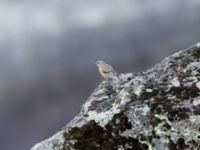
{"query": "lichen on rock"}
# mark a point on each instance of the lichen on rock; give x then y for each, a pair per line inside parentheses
(152, 110)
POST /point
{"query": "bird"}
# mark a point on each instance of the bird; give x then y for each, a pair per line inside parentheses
(106, 71)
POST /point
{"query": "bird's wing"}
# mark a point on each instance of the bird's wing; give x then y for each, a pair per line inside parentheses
(108, 68)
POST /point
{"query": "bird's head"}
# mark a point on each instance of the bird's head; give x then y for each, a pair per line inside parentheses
(99, 62)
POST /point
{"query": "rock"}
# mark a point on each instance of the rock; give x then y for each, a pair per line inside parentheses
(157, 109)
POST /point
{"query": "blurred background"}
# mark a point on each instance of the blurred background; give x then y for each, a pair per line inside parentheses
(48, 49)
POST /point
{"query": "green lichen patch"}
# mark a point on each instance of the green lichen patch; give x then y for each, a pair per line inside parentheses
(179, 145)
(196, 109)
(185, 92)
(88, 136)
(177, 114)
(110, 91)
(149, 93)
(119, 123)
(185, 61)
(94, 137)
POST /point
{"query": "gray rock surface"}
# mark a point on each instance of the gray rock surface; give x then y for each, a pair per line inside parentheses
(157, 110)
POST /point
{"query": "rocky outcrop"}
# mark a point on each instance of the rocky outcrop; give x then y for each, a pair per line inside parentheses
(157, 109)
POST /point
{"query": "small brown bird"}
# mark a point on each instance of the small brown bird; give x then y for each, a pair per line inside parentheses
(105, 70)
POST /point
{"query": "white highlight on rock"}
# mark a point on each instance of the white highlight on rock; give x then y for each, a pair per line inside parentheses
(86, 106)
(146, 109)
(192, 65)
(149, 90)
(198, 85)
(175, 82)
(198, 44)
(125, 76)
(48, 144)
(163, 117)
(196, 102)
(138, 90)
(194, 118)
(104, 117)
(125, 97)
